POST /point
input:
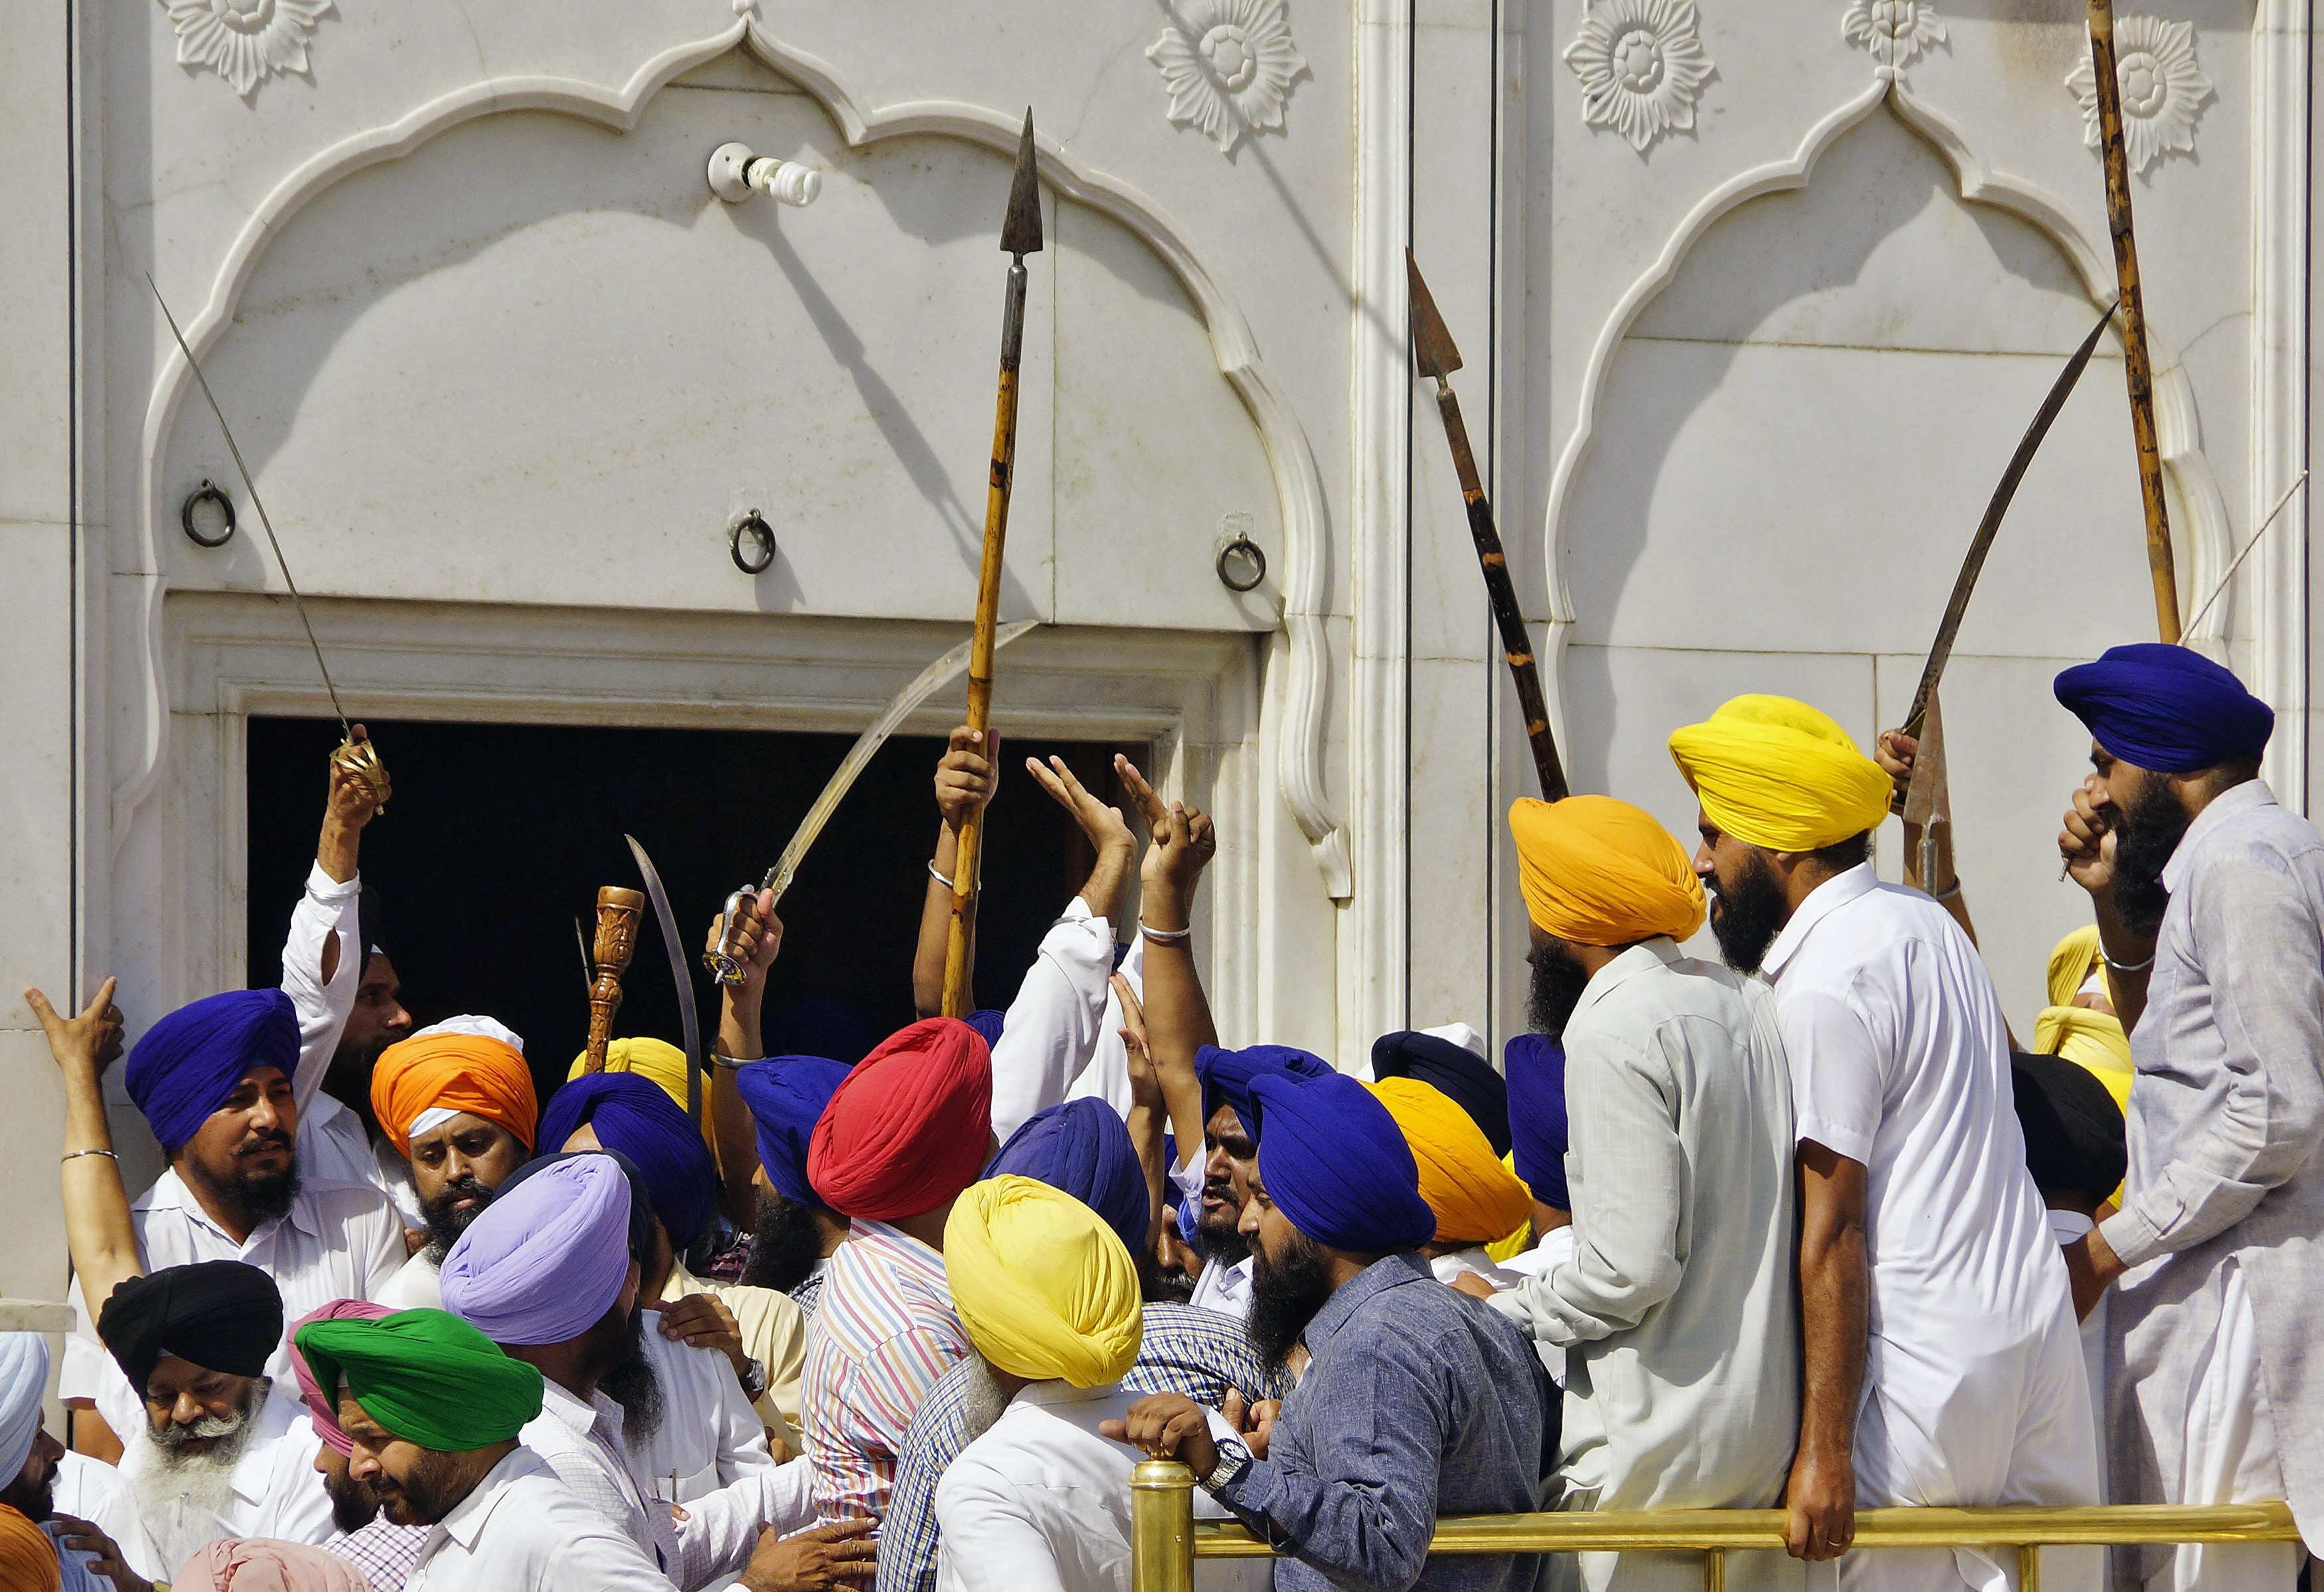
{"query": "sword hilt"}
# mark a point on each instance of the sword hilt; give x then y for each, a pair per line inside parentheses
(361, 759)
(724, 960)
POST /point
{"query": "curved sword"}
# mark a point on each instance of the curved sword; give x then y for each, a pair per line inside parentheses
(689, 1021)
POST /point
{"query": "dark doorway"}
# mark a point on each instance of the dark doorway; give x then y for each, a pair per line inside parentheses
(500, 834)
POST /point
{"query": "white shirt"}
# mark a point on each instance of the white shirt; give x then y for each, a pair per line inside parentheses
(1900, 1060)
(521, 1529)
(1107, 1076)
(418, 1284)
(712, 1441)
(340, 1241)
(1041, 1502)
(1055, 1024)
(1224, 1288)
(331, 1143)
(1550, 1250)
(277, 1493)
(580, 1441)
(1474, 1261)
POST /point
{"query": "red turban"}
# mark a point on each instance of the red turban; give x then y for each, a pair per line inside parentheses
(909, 1128)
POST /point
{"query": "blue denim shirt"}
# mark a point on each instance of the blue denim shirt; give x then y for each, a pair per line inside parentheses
(1418, 1400)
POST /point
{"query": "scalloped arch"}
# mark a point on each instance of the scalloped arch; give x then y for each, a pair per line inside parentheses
(1299, 487)
(2205, 532)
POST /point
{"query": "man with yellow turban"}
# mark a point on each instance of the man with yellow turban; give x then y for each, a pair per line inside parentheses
(454, 1104)
(1904, 1117)
(1675, 1303)
(1477, 1199)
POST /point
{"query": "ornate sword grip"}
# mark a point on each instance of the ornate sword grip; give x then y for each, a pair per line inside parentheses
(724, 960)
(361, 759)
(617, 938)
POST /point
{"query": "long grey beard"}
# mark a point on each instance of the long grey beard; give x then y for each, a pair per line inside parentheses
(983, 1399)
(180, 1498)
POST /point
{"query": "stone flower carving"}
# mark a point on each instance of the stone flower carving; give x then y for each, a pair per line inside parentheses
(2163, 88)
(1642, 66)
(1894, 31)
(245, 41)
(1229, 65)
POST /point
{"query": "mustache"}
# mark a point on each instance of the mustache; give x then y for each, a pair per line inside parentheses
(271, 1139)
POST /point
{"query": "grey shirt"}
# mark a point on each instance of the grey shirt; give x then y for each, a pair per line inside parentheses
(1417, 1401)
(2225, 1116)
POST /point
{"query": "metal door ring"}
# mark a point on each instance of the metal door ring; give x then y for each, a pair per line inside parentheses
(206, 494)
(754, 526)
(1249, 555)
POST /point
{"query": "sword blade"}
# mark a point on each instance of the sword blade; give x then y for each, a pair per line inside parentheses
(925, 684)
(689, 1021)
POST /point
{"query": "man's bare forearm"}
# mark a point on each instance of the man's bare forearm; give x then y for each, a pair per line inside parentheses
(1835, 1287)
(1108, 887)
(1178, 1013)
(936, 929)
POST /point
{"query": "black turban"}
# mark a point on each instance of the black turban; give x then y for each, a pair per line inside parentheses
(220, 1315)
(2074, 1137)
(1453, 1071)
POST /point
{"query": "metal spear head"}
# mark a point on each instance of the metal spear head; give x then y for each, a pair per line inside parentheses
(1020, 234)
(1432, 343)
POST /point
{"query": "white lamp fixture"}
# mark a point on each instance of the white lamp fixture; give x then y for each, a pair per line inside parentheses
(735, 174)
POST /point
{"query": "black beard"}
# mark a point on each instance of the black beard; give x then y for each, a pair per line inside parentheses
(354, 1505)
(254, 1199)
(633, 1385)
(1219, 1246)
(1553, 991)
(35, 1501)
(2146, 833)
(1170, 1285)
(445, 1225)
(426, 1495)
(1747, 915)
(786, 1243)
(1284, 1296)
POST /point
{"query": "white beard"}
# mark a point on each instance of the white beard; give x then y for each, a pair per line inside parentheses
(983, 1399)
(181, 1500)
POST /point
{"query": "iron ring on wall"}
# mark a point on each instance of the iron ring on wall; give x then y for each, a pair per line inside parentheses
(754, 526)
(206, 494)
(1249, 556)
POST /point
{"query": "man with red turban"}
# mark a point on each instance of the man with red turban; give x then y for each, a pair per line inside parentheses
(908, 1130)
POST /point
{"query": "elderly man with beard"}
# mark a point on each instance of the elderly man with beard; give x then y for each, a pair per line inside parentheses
(86, 1559)
(214, 1080)
(455, 1102)
(1416, 1401)
(1676, 1303)
(2209, 901)
(1942, 1362)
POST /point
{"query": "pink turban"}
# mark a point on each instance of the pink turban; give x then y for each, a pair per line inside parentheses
(323, 1409)
(261, 1566)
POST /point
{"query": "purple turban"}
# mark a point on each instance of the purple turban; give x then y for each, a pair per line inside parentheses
(547, 1258)
(189, 1061)
(1335, 1163)
(787, 1096)
(633, 1116)
(1083, 1149)
(2166, 708)
(1535, 1066)
(1227, 1075)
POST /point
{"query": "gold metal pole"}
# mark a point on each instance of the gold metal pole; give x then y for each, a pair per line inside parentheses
(1161, 1527)
(1714, 1571)
(2029, 1569)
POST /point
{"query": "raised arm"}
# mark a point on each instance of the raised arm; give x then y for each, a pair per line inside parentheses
(1177, 1015)
(965, 781)
(323, 958)
(1147, 1113)
(98, 1231)
(758, 940)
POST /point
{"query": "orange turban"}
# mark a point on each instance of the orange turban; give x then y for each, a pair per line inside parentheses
(450, 1072)
(1596, 872)
(1476, 1199)
(28, 1560)
(908, 1128)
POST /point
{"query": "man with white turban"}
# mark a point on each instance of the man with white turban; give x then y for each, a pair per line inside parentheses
(29, 1457)
(1943, 1364)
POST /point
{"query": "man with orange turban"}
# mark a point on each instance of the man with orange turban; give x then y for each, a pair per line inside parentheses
(455, 1101)
(1476, 1199)
(1675, 1304)
(909, 1128)
(1904, 1117)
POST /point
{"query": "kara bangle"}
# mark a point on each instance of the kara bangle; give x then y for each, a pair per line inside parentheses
(75, 1155)
(939, 878)
(1165, 937)
(732, 1064)
(2124, 967)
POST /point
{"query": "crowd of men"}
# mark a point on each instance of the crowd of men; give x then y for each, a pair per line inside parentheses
(1807, 1230)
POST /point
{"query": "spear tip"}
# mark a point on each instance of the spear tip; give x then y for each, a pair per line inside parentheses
(1020, 232)
(1432, 342)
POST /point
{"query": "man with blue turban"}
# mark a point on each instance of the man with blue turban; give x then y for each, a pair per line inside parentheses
(1219, 1185)
(1417, 1401)
(2209, 901)
(795, 1233)
(761, 1331)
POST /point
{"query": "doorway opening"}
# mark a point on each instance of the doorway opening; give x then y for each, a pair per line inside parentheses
(499, 835)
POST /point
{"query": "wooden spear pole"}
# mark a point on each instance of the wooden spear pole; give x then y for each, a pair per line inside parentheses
(2135, 368)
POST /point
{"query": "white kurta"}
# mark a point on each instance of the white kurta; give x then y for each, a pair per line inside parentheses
(1055, 1024)
(521, 1529)
(277, 1493)
(1041, 1502)
(1974, 1386)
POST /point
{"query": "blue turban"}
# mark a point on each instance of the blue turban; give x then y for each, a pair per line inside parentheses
(1227, 1076)
(1082, 1148)
(189, 1061)
(2166, 708)
(1455, 1071)
(1535, 1066)
(632, 1115)
(1337, 1166)
(987, 1022)
(786, 1097)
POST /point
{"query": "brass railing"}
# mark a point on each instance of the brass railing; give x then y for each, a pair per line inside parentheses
(1166, 1542)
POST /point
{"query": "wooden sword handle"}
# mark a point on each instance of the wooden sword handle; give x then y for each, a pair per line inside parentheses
(617, 938)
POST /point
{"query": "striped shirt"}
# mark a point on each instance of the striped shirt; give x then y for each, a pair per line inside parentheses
(885, 1334)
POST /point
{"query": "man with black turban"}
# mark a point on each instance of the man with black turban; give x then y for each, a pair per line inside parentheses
(2209, 901)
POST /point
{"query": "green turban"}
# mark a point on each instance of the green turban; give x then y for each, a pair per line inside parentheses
(426, 1376)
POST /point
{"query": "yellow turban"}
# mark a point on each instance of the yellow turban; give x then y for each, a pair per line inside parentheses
(1776, 773)
(1476, 1199)
(658, 1061)
(1042, 1285)
(2090, 1039)
(1596, 872)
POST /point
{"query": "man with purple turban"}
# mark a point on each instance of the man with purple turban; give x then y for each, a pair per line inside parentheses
(2209, 901)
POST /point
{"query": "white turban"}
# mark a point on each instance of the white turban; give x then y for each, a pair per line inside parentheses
(24, 1382)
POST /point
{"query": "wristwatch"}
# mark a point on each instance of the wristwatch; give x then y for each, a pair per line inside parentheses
(1233, 1463)
(754, 1379)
